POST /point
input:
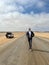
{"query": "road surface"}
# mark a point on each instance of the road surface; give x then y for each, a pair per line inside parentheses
(17, 52)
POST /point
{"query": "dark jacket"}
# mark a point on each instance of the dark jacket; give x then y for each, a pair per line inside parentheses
(32, 35)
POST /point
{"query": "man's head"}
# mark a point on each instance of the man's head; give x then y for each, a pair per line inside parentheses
(29, 29)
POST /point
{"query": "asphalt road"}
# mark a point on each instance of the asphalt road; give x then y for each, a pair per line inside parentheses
(17, 52)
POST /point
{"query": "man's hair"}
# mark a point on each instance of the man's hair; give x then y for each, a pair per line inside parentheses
(29, 28)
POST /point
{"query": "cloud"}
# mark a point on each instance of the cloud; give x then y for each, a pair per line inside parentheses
(19, 5)
(31, 3)
(17, 21)
(40, 4)
(9, 6)
(19, 15)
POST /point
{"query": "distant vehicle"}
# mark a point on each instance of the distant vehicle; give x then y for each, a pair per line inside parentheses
(9, 35)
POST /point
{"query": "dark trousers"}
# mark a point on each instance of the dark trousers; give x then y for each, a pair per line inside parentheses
(30, 43)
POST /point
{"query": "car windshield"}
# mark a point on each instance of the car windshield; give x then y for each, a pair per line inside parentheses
(9, 33)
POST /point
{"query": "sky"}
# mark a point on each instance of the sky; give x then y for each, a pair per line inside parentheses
(19, 15)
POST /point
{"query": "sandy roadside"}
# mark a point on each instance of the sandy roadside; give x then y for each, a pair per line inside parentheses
(42, 35)
(4, 40)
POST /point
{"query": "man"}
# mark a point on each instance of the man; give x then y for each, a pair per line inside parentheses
(30, 35)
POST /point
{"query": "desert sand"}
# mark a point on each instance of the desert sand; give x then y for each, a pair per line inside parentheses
(42, 34)
(4, 40)
(17, 35)
(17, 52)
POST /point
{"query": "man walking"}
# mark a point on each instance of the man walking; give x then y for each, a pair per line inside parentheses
(30, 35)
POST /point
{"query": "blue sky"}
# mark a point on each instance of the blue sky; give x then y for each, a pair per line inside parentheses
(17, 15)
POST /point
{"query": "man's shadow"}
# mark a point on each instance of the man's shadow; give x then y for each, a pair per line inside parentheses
(40, 50)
